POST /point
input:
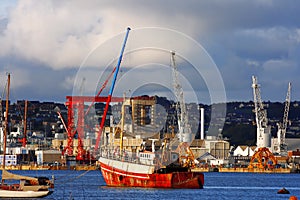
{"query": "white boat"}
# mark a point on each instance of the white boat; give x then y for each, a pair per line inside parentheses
(28, 187)
(22, 194)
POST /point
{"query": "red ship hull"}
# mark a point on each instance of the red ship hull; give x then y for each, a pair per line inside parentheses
(117, 177)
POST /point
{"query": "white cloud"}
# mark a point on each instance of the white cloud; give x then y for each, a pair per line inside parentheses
(63, 34)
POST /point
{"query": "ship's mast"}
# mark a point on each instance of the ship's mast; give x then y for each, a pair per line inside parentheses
(122, 125)
(263, 129)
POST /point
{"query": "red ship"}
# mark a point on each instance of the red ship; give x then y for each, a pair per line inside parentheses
(127, 161)
(125, 174)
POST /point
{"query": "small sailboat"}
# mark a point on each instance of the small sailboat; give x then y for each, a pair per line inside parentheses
(26, 186)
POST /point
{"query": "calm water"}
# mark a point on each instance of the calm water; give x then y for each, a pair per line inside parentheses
(90, 185)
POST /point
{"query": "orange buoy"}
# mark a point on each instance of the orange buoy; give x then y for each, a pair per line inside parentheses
(293, 198)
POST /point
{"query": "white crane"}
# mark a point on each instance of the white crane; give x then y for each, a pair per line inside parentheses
(184, 130)
(186, 156)
(263, 129)
(283, 125)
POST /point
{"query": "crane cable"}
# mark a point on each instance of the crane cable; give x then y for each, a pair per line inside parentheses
(101, 89)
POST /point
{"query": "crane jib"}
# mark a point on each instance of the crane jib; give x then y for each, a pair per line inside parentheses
(119, 63)
(111, 91)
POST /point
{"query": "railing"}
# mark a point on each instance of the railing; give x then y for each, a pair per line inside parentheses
(126, 156)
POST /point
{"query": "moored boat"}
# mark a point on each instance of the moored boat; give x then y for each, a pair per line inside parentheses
(27, 187)
(8, 193)
(126, 161)
(129, 160)
(123, 173)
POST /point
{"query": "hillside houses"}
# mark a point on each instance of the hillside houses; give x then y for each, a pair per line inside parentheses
(244, 150)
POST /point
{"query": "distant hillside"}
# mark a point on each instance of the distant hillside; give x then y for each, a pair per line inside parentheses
(239, 126)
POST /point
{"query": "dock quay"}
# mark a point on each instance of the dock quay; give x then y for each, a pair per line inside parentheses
(245, 170)
(198, 169)
(37, 167)
(26, 167)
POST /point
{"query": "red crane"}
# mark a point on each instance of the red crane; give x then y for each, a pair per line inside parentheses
(77, 102)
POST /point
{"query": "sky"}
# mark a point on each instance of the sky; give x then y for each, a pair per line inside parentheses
(57, 48)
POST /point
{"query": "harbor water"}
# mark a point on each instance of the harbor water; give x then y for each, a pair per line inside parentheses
(90, 185)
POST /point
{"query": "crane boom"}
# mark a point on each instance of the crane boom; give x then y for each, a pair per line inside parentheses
(184, 130)
(263, 129)
(260, 112)
(287, 106)
(111, 91)
(283, 125)
(184, 133)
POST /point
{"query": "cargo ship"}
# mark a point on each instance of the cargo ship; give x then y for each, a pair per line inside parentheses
(125, 158)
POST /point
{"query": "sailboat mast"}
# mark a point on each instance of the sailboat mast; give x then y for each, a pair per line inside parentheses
(6, 122)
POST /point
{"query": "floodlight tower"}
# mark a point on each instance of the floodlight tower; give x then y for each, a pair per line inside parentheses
(263, 129)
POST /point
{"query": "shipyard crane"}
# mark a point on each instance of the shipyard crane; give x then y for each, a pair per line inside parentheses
(184, 130)
(186, 156)
(283, 125)
(263, 129)
(75, 105)
(262, 159)
(263, 156)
